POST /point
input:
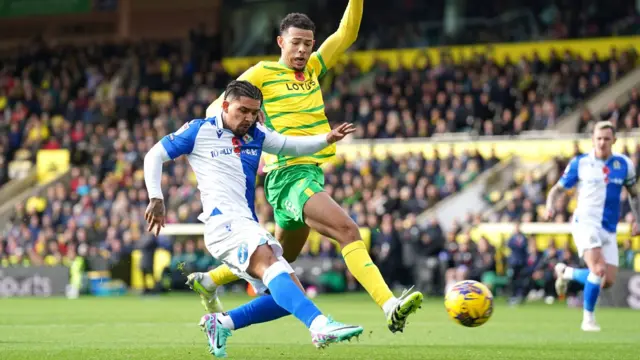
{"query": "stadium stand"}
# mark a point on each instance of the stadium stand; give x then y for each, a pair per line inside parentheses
(415, 24)
(107, 105)
(477, 95)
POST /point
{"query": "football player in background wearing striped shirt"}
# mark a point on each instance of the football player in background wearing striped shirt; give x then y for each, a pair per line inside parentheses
(293, 105)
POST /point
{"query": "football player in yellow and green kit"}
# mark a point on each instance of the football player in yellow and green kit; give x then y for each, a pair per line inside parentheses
(294, 186)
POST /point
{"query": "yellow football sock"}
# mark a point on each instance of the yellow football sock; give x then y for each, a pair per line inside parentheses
(366, 272)
(222, 275)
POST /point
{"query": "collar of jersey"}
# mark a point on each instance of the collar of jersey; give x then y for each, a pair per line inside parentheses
(286, 67)
(592, 154)
(220, 122)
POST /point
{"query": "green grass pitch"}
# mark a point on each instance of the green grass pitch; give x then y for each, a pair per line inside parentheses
(165, 327)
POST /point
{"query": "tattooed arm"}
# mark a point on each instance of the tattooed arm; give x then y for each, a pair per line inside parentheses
(634, 201)
(554, 194)
(568, 180)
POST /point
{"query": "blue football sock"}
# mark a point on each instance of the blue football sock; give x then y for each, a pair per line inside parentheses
(258, 310)
(580, 275)
(591, 291)
(288, 295)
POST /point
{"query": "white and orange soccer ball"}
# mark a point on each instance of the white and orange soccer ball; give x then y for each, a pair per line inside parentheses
(469, 303)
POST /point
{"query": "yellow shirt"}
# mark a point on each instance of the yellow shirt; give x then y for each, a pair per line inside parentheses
(293, 103)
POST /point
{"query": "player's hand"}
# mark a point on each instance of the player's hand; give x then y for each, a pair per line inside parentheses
(634, 229)
(549, 214)
(340, 132)
(154, 215)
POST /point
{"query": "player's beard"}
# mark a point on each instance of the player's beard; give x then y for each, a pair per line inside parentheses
(241, 130)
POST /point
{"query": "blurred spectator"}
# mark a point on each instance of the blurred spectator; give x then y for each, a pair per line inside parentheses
(413, 24)
(519, 261)
(478, 96)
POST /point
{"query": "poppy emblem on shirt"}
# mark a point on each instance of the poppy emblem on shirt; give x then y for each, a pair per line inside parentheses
(236, 145)
(606, 172)
(299, 76)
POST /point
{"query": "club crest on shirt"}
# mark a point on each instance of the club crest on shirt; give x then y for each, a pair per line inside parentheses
(247, 138)
(616, 165)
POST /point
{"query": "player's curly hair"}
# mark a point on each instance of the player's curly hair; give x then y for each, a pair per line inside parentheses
(238, 88)
(297, 20)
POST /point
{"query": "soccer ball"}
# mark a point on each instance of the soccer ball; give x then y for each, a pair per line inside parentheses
(469, 303)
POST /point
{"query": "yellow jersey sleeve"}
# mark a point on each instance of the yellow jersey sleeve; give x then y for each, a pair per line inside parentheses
(338, 43)
(317, 64)
(253, 75)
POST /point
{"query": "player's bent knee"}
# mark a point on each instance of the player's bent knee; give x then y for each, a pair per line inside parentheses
(348, 232)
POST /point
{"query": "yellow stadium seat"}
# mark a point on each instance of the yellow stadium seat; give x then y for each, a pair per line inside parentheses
(508, 195)
(518, 176)
(495, 196)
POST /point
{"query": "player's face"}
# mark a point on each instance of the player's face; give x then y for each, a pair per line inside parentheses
(603, 140)
(240, 114)
(296, 46)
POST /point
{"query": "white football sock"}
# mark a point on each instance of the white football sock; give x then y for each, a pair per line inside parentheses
(588, 316)
(568, 273)
(208, 283)
(389, 305)
(226, 321)
(318, 322)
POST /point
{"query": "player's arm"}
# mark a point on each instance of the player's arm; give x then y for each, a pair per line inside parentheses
(347, 33)
(252, 75)
(634, 199)
(568, 180)
(634, 202)
(278, 144)
(170, 147)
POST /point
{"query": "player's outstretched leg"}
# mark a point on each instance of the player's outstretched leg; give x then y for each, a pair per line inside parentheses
(288, 295)
(592, 283)
(219, 326)
(601, 273)
(340, 226)
(286, 298)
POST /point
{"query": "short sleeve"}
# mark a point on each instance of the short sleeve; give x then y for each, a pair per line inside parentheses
(182, 141)
(630, 179)
(317, 64)
(273, 141)
(570, 177)
(253, 75)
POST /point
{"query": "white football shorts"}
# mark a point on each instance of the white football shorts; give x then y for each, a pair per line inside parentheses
(233, 240)
(589, 235)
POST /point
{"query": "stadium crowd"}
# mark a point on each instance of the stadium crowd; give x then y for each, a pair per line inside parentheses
(412, 24)
(108, 106)
(476, 95)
